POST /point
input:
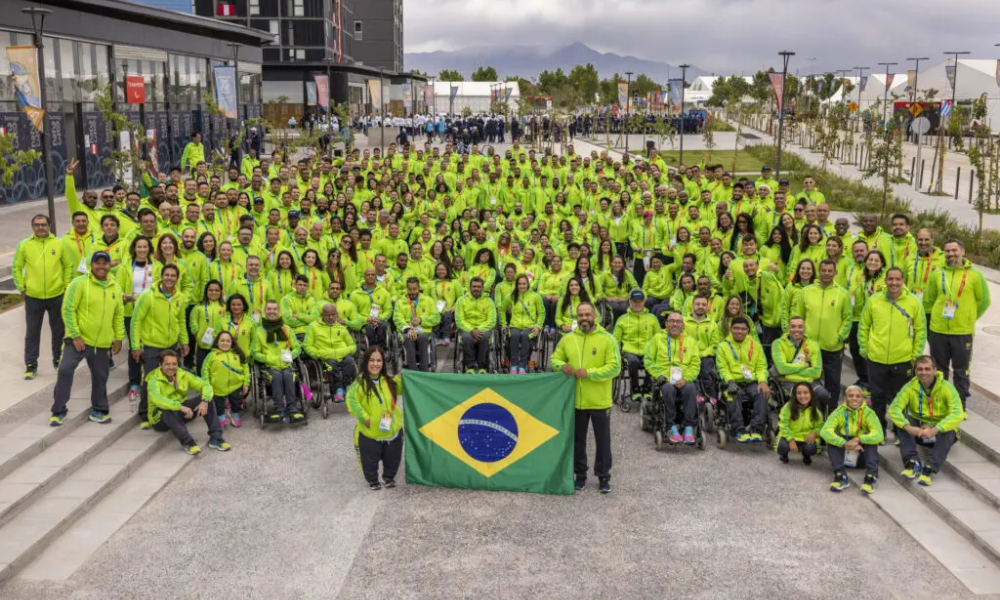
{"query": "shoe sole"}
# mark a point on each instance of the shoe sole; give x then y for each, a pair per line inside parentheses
(867, 492)
(219, 449)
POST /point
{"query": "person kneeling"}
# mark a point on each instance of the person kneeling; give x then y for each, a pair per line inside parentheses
(374, 400)
(329, 340)
(675, 363)
(799, 423)
(170, 408)
(275, 348)
(853, 433)
(927, 411)
(743, 370)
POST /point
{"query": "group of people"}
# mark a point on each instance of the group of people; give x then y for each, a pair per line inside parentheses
(699, 280)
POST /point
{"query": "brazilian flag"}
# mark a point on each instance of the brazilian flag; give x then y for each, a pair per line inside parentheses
(490, 432)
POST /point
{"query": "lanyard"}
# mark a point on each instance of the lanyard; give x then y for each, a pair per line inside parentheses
(798, 347)
(905, 314)
(920, 404)
(145, 273)
(961, 286)
(525, 307)
(228, 366)
(261, 287)
(79, 241)
(927, 271)
(232, 271)
(847, 423)
(235, 325)
(680, 345)
(736, 357)
(379, 395)
(441, 288)
(413, 306)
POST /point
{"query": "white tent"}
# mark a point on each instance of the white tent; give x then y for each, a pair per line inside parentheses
(476, 95)
(973, 78)
(875, 88)
(705, 83)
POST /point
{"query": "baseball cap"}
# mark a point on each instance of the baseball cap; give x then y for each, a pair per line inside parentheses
(258, 200)
(96, 256)
(293, 213)
(765, 168)
(782, 182)
(637, 295)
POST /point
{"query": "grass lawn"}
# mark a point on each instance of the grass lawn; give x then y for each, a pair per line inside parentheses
(744, 163)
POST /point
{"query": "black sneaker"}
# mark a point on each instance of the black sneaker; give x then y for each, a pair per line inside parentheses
(375, 486)
(579, 483)
(390, 483)
(605, 486)
(783, 458)
(807, 460)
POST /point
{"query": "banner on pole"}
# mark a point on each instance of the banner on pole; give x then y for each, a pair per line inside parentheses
(911, 77)
(622, 93)
(674, 87)
(454, 92)
(24, 72)
(888, 80)
(310, 93)
(322, 90)
(778, 82)
(135, 89)
(225, 90)
(864, 82)
(507, 91)
(407, 97)
(375, 93)
(949, 72)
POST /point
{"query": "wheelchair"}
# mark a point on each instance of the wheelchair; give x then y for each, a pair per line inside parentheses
(259, 398)
(724, 431)
(398, 353)
(652, 417)
(708, 410)
(458, 360)
(622, 392)
(538, 357)
(315, 378)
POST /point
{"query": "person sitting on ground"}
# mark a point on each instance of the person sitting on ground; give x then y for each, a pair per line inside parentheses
(675, 362)
(853, 434)
(743, 370)
(170, 408)
(275, 348)
(799, 423)
(330, 341)
(927, 411)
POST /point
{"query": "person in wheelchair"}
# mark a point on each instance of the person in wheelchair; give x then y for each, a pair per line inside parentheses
(299, 307)
(743, 370)
(346, 311)
(476, 317)
(798, 360)
(275, 348)
(634, 331)
(527, 315)
(374, 304)
(702, 328)
(799, 423)
(328, 340)
(674, 362)
(853, 434)
(415, 318)
(658, 286)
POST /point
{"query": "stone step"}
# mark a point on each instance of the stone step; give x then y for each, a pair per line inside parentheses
(33, 434)
(74, 547)
(969, 514)
(981, 435)
(38, 525)
(57, 461)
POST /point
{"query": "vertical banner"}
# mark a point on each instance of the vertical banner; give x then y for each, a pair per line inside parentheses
(998, 72)
(949, 72)
(375, 93)
(135, 89)
(506, 94)
(407, 95)
(888, 80)
(622, 93)
(24, 72)
(454, 92)
(911, 77)
(310, 93)
(864, 82)
(323, 91)
(674, 86)
(225, 90)
(778, 82)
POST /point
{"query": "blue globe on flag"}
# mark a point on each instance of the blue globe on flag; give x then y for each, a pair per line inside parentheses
(488, 432)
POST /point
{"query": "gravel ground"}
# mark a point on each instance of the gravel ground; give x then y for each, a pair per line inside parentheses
(287, 515)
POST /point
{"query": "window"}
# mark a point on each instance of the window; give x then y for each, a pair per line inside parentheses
(254, 7)
(357, 31)
(291, 34)
(300, 54)
(298, 8)
(273, 25)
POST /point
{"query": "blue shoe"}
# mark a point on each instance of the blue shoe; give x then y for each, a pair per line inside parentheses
(605, 486)
(99, 417)
(338, 396)
(689, 436)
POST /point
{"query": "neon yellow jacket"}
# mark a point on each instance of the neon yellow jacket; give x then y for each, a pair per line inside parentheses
(973, 298)
(299, 311)
(226, 372)
(796, 363)
(41, 268)
(269, 355)
(664, 352)
(597, 353)
(329, 342)
(730, 355)
(93, 310)
(203, 316)
(939, 407)
(827, 312)
(809, 421)
(371, 407)
(364, 299)
(886, 335)
(844, 424)
(475, 313)
(165, 394)
(527, 313)
(422, 308)
(658, 284)
(158, 320)
(634, 331)
(705, 332)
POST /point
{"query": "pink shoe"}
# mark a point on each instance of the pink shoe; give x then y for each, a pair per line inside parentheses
(701, 399)
(513, 370)
(675, 436)
(689, 440)
(223, 421)
(447, 342)
(236, 420)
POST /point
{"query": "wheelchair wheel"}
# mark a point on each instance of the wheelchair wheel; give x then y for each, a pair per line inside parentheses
(707, 415)
(658, 439)
(721, 438)
(459, 356)
(701, 441)
(645, 420)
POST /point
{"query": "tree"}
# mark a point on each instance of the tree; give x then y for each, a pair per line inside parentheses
(642, 85)
(12, 160)
(486, 73)
(124, 160)
(983, 152)
(418, 72)
(883, 155)
(609, 89)
(585, 82)
(449, 75)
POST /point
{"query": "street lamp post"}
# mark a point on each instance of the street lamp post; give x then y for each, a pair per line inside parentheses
(684, 69)
(885, 100)
(918, 176)
(954, 87)
(785, 56)
(861, 75)
(381, 106)
(628, 107)
(38, 15)
(236, 81)
(885, 130)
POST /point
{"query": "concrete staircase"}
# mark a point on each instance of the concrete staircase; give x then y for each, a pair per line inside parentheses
(65, 490)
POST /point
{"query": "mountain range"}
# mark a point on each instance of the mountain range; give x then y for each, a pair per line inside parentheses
(528, 61)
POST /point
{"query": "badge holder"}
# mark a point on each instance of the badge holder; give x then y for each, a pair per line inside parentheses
(209, 338)
(385, 424)
(676, 374)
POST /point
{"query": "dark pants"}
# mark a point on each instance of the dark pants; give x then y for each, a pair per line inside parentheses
(617, 310)
(885, 382)
(377, 335)
(174, 421)
(953, 353)
(550, 312)
(235, 400)
(767, 337)
(283, 392)
(939, 449)
(342, 373)
(97, 361)
(749, 392)
(824, 400)
(520, 347)
(860, 364)
(868, 458)
(442, 330)
(134, 366)
(633, 363)
(189, 360)
(638, 268)
(833, 362)
(688, 399)
(150, 361)
(602, 437)
(804, 448)
(708, 383)
(372, 452)
(416, 351)
(200, 354)
(34, 313)
(477, 354)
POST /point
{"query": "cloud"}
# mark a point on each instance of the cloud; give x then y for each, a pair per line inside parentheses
(724, 36)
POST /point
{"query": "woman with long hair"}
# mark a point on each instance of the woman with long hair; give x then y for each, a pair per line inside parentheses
(374, 400)
(284, 274)
(743, 229)
(133, 278)
(445, 293)
(168, 253)
(312, 268)
(618, 285)
(592, 282)
(527, 314)
(778, 250)
(237, 321)
(227, 369)
(576, 294)
(223, 269)
(805, 275)
(810, 246)
(205, 319)
(484, 266)
(787, 224)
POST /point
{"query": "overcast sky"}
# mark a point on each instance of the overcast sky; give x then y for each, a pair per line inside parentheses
(717, 35)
